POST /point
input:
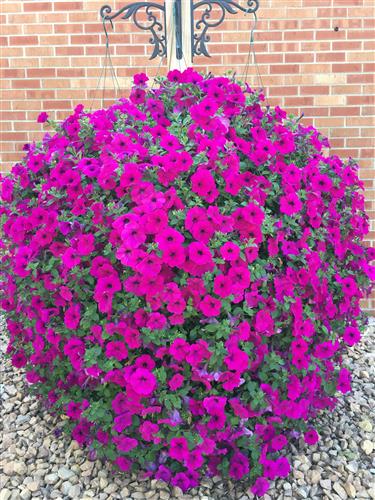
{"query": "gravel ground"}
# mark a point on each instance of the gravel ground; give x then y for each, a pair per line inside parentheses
(36, 463)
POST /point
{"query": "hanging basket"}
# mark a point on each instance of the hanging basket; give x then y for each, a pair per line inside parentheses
(181, 275)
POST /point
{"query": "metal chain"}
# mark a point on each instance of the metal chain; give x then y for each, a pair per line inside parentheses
(253, 54)
(107, 64)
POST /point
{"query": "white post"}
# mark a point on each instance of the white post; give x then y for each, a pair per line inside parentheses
(186, 32)
(172, 61)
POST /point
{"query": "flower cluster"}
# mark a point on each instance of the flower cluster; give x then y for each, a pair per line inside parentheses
(181, 274)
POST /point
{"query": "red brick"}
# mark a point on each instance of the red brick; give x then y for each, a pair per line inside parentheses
(314, 89)
(40, 94)
(23, 40)
(282, 91)
(298, 101)
(69, 72)
(315, 24)
(369, 68)
(70, 28)
(36, 6)
(70, 51)
(67, 6)
(360, 34)
(12, 73)
(346, 68)
(330, 56)
(25, 84)
(285, 68)
(360, 78)
(54, 40)
(140, 50)
(334, 12)
(299, 35)
(315, 111)
(345, 111)
(41, 72)
(331, 34)
(88, 39)
(299, 57)
(360, 99)
(344, 45)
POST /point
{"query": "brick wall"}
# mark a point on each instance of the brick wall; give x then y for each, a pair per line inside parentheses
(315, 56)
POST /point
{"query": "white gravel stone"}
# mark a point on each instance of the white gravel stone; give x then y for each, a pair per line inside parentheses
(8, 468)
(326, 484)
(315, 476)
(65, 473)
(33, 486)
(367, 446)
(350, 490)
(5, 494)
(74, 491)
(51, 478)
(25, 495)
(366, 425)
(352, 466)
(340, 491)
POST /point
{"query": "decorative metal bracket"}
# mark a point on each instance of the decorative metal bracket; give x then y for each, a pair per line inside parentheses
(157, 27)
(199, 40)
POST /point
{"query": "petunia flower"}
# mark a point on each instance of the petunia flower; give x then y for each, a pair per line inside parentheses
(311, 436)
(143, 382)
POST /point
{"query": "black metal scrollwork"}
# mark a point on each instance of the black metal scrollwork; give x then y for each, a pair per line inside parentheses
(199, 40)
(158, 29)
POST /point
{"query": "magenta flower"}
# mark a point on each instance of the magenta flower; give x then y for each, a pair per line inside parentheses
(351, 335)
(179, 449)
(325, 350)
(143, 382)
(148, 430)
(85, 244)
(344, 381)
(176, 381)
(264, 322)
(163, 473)
(222, 286)
(179, 349)
(125, 443)
(239, 466)
(70, 259)
(123, 463)
(116, 350)
(199, 254)
(260, 487)
(74, 410)
(214, 404)
(72, 317)
(279, 442)
(19, 359)
(210, 306)
(230, 251)
(181, 480)
(140, 79)
(81, 432)
(311, 436)
(237, 360)
(290, 204)
(156, 321)
(42, 117)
